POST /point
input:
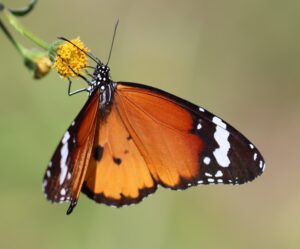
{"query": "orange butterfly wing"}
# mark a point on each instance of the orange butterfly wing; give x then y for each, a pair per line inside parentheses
(66, 170)
(151, 137)
(117, 173)
(190, 139)
(136, 149)
(162, 129)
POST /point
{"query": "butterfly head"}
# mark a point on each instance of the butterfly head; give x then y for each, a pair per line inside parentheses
(101, 74)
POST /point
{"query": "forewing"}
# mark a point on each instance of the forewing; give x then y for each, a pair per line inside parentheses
(66, 170)
(183, 144)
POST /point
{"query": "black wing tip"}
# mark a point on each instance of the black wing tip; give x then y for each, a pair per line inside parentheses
(123, 201)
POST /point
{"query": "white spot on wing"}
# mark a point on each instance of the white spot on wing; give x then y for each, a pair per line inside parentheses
(219, 122)
(201, 109)
(254, 156)
(64, 155)
(219, 173)
(251, 146)
(261, 164)
(63, 191)
(44, 184)
(48, 173)
(221, 136)
(199, 126)
(207, 174)
(210, 180)
(206, 160)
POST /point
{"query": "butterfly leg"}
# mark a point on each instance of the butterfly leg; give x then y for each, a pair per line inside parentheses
(92, 76)
(91, 67)
(71, 207)
(76, 91)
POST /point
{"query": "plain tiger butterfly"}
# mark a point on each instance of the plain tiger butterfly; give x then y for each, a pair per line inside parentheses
(129, 138)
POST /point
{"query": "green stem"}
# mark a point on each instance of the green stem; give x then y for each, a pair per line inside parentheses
(18, 27)
(18, 46)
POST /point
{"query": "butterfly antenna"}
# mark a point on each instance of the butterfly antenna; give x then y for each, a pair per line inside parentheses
(95, 59)
(112, 42)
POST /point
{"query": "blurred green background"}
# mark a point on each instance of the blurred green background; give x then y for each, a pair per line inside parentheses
(239, 59)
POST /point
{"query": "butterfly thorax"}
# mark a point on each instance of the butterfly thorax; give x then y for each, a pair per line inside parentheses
(102, 82)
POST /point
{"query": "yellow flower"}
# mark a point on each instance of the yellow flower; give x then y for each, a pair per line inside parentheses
(71, 58)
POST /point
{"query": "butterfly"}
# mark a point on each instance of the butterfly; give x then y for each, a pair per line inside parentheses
(129, 138)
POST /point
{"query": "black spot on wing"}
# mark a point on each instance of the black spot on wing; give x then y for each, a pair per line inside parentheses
(98, 153)
(117, 160)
